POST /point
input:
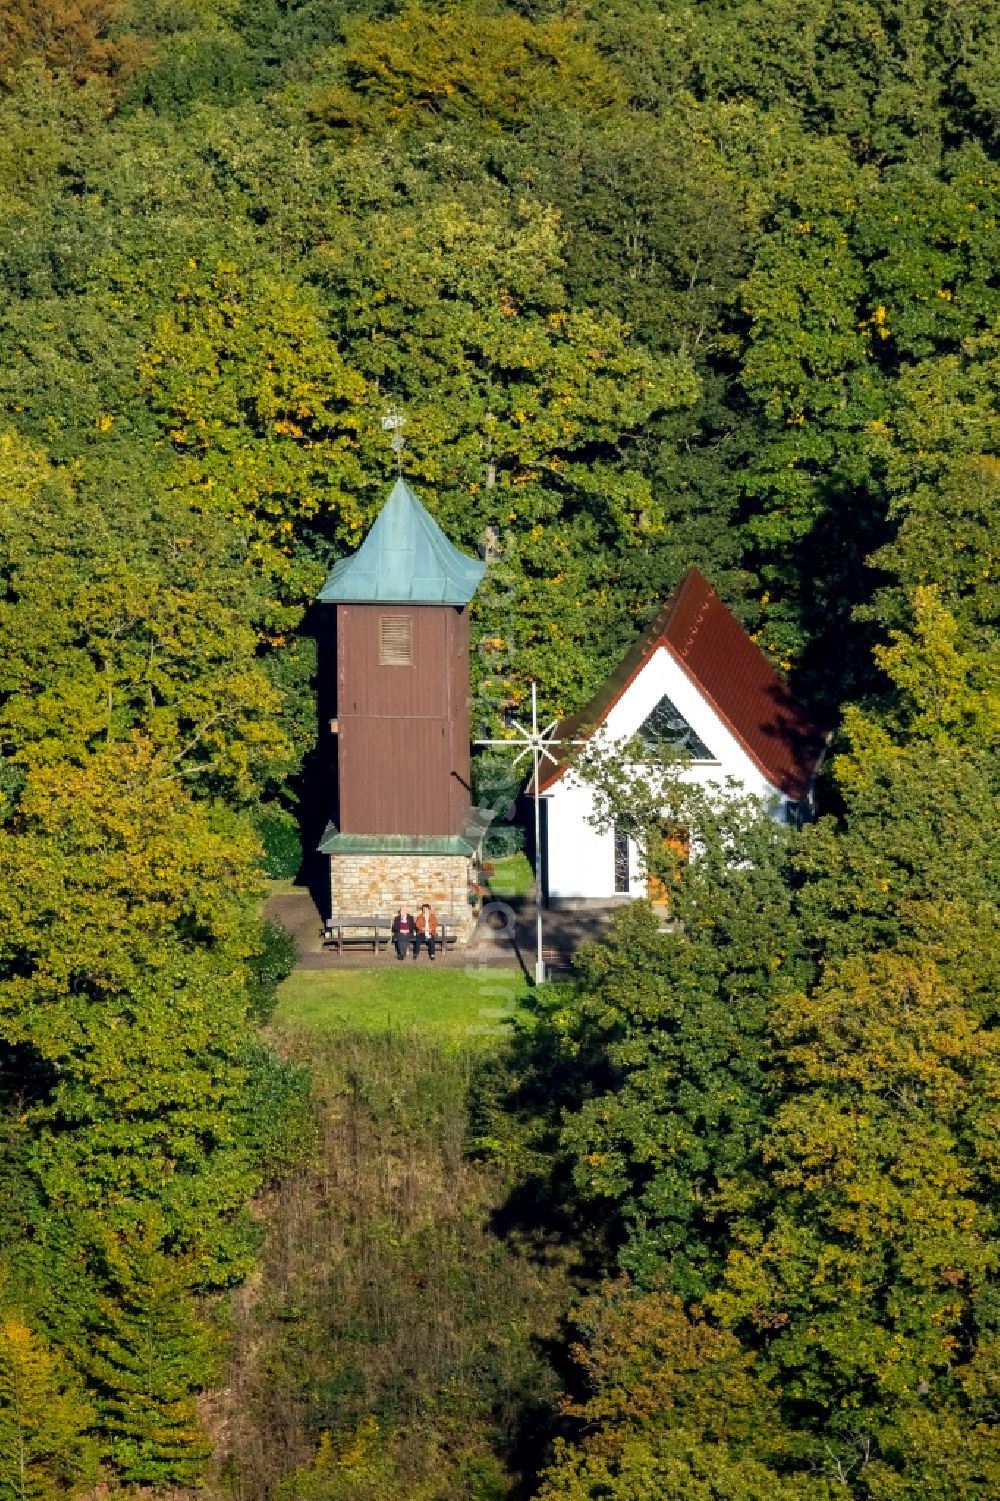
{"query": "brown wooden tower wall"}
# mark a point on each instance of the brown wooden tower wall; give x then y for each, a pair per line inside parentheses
(402, 718)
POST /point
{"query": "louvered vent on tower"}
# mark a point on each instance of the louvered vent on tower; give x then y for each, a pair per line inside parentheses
(395, 640)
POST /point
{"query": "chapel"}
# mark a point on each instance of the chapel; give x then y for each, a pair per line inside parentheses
(695, 681)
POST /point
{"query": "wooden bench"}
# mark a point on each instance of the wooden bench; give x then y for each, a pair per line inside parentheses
(377, 931)
(447, 930)
(354, 928)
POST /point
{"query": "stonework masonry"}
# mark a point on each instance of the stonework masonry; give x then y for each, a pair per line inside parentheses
(377, 884)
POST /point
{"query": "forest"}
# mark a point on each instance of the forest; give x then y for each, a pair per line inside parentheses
(654, 283)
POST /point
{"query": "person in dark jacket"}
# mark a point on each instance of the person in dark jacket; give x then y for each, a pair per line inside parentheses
(427, 930)
(404, 932)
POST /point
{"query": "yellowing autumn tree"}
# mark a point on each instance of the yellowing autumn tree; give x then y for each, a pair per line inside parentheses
(79, 39)
(44, 1417)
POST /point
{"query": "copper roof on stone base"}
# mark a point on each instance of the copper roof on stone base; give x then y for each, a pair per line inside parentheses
(731, 673)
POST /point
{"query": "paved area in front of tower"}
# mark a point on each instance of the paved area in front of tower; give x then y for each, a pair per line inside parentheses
(504, 936)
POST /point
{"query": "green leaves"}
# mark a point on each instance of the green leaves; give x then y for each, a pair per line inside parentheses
(943, 694)
(146, 1355)
(425, 65)
(520, 411)
(129, 623)
(676, 1468)
(45, 1454)
(125, 929)
(661, 1054)
(872, 1240)
(673, 1409)
(253, 394)
(653, 286)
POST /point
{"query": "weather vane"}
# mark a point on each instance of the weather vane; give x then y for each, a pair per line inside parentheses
(393, 422)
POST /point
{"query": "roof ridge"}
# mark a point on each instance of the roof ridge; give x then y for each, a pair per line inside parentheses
(692, 580)
(733, 675)
(695, 627)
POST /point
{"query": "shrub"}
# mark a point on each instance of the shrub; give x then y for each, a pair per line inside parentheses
(503, 840)
(279, 834)
(278, 1124)
(273, 963)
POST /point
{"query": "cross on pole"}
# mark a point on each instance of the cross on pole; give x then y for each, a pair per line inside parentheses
(534, 743)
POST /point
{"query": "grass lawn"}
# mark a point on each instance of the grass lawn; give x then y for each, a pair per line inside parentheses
(447, 1002)
(512, 876)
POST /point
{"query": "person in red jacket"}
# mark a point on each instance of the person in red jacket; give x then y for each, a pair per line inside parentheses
(427, 930)
(404, 932)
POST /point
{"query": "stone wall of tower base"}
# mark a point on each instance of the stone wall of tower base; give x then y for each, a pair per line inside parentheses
(363, 885)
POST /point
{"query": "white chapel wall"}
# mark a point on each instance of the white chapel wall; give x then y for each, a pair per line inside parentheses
(580, 858)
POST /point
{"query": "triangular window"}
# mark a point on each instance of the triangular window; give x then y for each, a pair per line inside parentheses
(667, 726)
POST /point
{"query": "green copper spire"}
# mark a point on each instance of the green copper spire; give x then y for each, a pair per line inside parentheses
(405, 559)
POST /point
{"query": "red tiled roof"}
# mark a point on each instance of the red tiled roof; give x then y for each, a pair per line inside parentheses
(731, 672)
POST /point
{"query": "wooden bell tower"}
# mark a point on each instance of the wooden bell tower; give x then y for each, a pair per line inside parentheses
(401, 721)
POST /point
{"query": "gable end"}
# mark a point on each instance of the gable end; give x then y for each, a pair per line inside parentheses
(731, 674)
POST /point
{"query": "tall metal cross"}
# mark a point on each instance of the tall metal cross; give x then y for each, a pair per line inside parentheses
(534, 743)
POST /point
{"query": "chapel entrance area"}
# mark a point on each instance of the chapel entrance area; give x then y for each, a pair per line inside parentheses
(669, 850)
